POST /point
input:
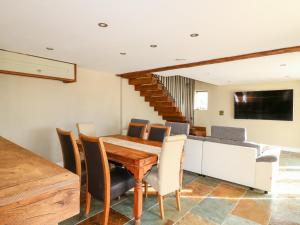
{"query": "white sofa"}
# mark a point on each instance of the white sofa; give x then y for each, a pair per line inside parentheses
(228, 156)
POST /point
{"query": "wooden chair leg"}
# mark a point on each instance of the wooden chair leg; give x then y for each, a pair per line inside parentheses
(146, 189)
(106, 212)
(87, 202)
(161, 206)
(178, 200)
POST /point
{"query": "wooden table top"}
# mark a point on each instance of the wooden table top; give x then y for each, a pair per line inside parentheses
(25, 176)
(131, 156)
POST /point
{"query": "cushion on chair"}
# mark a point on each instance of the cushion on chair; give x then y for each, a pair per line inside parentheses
(229, 133)
(152, 178)
(178, 128)
(157, 134)
(121, 181)
(135, 131)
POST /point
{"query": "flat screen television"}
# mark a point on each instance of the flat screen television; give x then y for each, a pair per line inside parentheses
(264, 105)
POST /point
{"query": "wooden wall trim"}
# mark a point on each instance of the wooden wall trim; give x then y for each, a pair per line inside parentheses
(218, 60)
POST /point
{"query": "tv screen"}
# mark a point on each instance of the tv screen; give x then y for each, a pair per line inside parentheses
(264, 105)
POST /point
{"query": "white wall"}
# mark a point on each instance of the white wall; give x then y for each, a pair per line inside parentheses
(282, 133)
(134, 106)
(32, 108)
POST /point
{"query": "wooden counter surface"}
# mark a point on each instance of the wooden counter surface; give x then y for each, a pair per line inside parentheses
(33, 190)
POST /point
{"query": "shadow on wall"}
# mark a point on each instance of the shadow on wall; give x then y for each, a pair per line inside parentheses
(45, 143)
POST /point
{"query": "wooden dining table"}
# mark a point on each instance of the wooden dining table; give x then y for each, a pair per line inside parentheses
(136, 161)
(33, 190)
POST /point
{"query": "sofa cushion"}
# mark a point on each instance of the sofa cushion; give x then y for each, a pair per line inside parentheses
(267, 158)
(229, 133)
(232, 142)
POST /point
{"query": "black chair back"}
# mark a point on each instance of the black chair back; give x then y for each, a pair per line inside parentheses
(67, 142)
(98, 176)
(158, 133)
(136, 130)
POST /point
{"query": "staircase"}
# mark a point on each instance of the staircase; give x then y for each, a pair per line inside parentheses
(157, 95)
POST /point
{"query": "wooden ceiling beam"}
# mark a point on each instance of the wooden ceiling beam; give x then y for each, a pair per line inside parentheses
(215, 61)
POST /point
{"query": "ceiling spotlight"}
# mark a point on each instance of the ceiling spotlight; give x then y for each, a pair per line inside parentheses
(283, 65)
(123, 53)
(153, 46)
(194, 35)
(179, 59)
(50, 49)
(102, 24)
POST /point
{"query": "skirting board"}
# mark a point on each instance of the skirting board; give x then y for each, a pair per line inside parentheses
(60, 163)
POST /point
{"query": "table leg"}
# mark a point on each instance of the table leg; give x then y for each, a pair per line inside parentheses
(138, 201)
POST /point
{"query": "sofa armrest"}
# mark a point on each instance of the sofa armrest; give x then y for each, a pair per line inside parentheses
(267, 158)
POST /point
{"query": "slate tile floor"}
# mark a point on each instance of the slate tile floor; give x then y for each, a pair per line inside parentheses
(209, 201)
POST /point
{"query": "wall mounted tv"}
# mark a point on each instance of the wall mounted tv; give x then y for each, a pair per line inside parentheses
(264, 105)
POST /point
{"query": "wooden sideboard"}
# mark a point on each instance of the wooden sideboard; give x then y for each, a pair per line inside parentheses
(198, 131)
(33, 190)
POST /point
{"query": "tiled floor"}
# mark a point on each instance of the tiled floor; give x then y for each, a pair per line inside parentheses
(208, 201)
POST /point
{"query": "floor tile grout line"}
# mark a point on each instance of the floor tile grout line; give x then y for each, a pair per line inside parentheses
(236, 205)
(197, 204)
(94, 214)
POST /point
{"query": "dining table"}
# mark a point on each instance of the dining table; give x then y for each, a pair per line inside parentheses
(33, 190)
(135, 160)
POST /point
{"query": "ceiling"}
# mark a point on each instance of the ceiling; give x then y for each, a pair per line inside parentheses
(225, 28)
(270, 68)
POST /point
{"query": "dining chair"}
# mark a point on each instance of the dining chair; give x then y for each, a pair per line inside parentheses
(147, 122)
(70, 153)
(86, 128)
(137, 130)
(103, 183)
(158, 132)
(178, 128)
(166, 178)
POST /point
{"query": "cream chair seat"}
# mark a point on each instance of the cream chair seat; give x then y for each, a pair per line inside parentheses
(166, 178)
(88, 129)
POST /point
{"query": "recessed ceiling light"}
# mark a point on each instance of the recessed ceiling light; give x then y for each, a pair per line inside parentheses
(194, 35)
(283, 65)
(50, 49)
(180, 59)
(123, 53)
(102, 24)
(153, 46)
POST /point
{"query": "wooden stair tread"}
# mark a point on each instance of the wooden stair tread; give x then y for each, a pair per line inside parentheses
(170, 114)
(174, 118)
(144, 87)
(142, 80)
(130, 76)
(157, 98)
(162, 103)
(166, 109)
